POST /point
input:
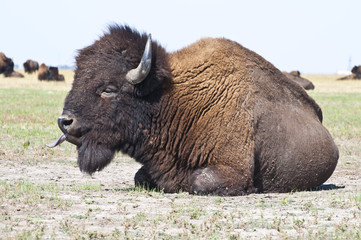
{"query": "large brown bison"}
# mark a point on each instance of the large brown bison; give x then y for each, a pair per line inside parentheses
(296, 76)
(212, 118)
(7, 67)
(31, 66)
(355, 74)
(49, 73)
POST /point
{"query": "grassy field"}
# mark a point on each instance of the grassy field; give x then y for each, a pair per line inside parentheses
(43, 195)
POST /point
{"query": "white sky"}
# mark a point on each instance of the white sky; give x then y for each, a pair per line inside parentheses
(313, 36)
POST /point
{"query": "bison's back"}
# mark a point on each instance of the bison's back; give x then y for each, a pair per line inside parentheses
(212, 117)
(293, 150)
(236, 108)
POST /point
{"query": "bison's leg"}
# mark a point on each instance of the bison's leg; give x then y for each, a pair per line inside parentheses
(220, 180)
(142, 178)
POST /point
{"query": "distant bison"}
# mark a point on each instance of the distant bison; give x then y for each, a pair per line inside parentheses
(7, 67)
(6, 64)
(13, 74)
(355, 73)
(43, 72)
(296, 76)
(54, 74)
(49, 73)
(31, 66)
(212, 118)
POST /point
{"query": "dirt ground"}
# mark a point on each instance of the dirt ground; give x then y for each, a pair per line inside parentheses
(63, 203)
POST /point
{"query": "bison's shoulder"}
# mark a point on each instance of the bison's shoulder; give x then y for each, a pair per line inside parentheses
(223, 55)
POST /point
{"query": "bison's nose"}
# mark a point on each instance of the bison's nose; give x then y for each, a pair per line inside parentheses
(65, 122)
(69, 125)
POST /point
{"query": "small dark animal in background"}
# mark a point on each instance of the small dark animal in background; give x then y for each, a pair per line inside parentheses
(296, 76)
(7, 67)
(13, 74)
(49, 73)
(212, 118)
(43, 72)
(355, 74)
(31, 66)
(54, 74)
(6, 64)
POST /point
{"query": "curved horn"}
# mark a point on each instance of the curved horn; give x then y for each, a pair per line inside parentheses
(137, 75)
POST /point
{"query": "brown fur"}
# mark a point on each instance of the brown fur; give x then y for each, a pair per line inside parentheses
(213, 117)
(31, 66)
(13, 74)
(296, 76)
(43, 72)
(6, 64)
(355, 74)
(7, 67)
(49, 73)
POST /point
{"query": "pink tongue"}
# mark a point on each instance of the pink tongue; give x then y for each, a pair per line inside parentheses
(57, 142)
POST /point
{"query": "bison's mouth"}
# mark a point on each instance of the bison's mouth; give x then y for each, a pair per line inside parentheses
(71, 131)
(65, 137)
(93, 155)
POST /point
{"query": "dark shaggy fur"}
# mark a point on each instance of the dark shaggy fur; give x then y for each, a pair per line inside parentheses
(213, 117)
(49, 73)
(355, 74)
(7, 67)
(31, 66)
(43, 72)
(6, 64)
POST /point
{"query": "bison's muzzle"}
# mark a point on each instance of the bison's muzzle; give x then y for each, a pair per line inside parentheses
(71, 131)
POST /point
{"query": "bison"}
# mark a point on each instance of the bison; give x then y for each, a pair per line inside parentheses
(54, 74)
(31, 66)
(6, 64)
(7, 67)
(296, 76)
(355, 74)
(13, 74)
(212, 118)
(43, 72)
(49, 73)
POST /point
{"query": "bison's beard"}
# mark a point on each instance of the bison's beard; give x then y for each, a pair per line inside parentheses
(94, 156)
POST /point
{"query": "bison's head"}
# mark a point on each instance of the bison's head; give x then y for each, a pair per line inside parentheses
(117, 81)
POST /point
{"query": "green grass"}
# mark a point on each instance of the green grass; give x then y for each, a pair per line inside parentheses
(28, 120)
(341, 113)
(341, 116)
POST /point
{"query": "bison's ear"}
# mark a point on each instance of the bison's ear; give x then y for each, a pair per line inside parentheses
(159, 75)
(137, 75)
(157, 80)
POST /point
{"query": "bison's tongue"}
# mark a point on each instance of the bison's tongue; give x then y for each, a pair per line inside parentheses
(57, 142)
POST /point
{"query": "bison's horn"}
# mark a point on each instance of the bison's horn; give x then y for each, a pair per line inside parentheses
(137, 75)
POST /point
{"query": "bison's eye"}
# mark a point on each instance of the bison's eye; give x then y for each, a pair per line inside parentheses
(108, 91)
